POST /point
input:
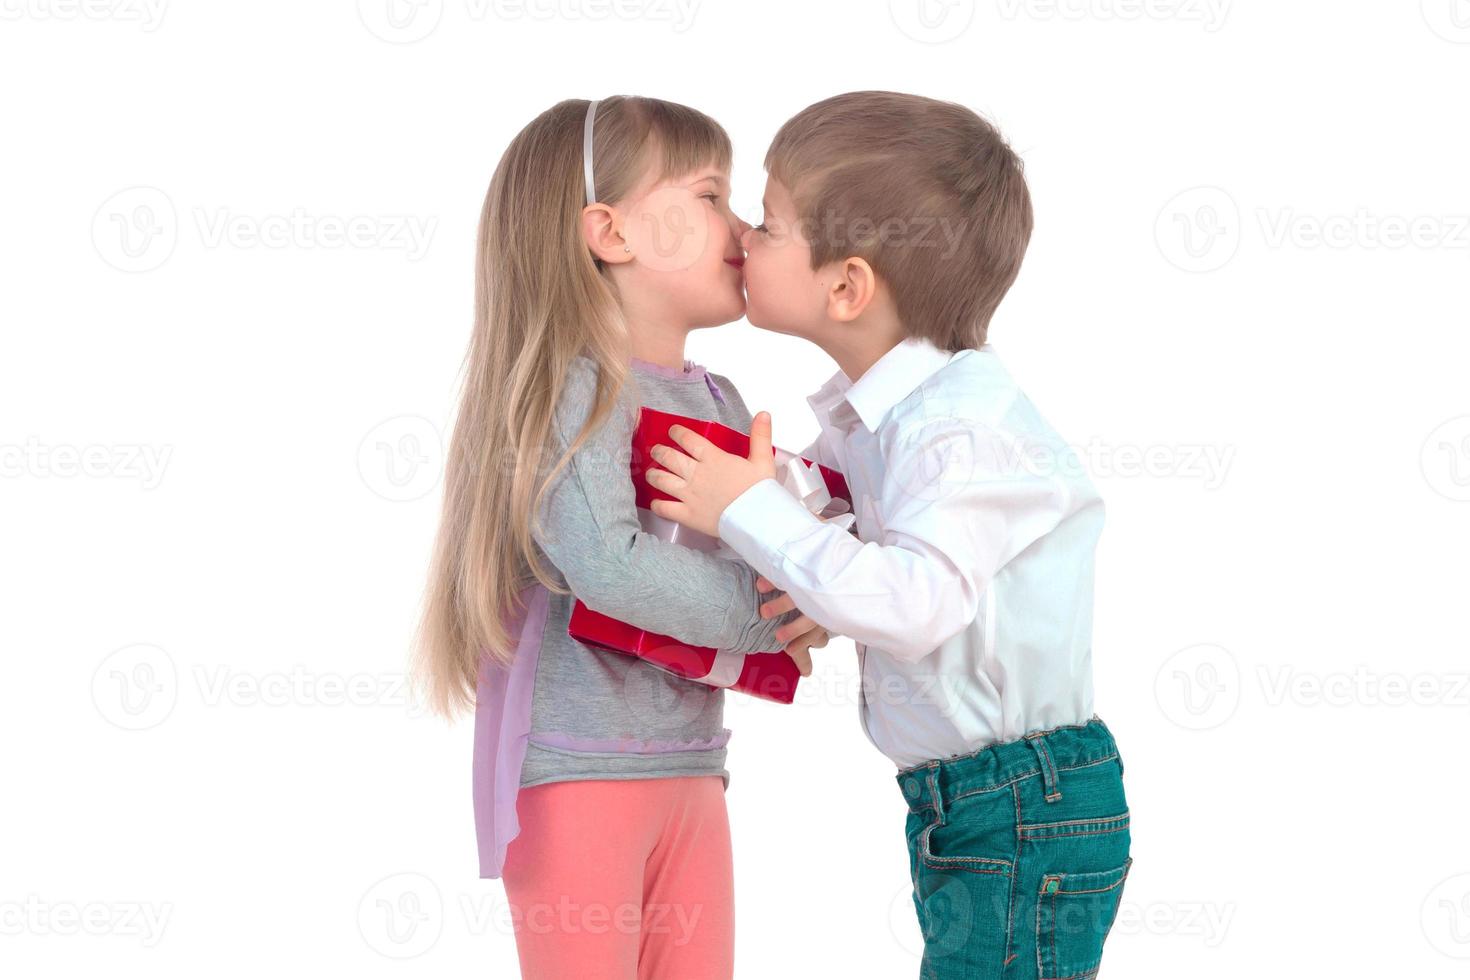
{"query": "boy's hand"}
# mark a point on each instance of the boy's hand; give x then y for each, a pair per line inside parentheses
(705, 478)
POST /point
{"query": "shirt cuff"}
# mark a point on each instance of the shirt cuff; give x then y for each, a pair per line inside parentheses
(760, 523)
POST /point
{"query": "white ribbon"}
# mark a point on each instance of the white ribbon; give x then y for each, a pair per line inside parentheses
(804, 481)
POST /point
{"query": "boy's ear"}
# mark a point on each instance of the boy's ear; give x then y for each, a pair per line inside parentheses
(600, 230)
(851, 289)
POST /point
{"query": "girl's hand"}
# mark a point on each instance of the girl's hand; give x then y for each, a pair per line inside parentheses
(801, 635)
(800, 649)
(783, 603)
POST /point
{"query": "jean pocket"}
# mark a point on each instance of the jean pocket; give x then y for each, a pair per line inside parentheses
(963, 886)
(977, 833)
(1074, 913)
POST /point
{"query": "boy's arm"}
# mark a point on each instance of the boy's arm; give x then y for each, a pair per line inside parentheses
(953, 514)
(589, 529)
(817, 452)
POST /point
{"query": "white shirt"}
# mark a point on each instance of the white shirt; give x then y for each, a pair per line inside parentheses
(968, 588)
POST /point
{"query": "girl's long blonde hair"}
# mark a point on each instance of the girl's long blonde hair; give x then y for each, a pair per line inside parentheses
(540, 300)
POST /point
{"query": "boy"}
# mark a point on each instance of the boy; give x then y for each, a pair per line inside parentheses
(894, 226)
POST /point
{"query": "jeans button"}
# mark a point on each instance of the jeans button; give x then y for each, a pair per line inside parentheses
(911, 788)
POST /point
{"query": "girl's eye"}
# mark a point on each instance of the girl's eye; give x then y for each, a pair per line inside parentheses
(711, 197)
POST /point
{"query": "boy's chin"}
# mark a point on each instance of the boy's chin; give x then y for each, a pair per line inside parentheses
(756, 319)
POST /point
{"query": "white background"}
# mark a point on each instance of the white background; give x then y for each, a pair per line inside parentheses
(221, 433)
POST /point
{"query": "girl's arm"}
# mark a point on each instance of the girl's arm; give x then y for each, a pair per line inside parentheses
(589, 529)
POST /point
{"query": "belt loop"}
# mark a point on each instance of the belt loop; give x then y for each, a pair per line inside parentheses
(1111, 740)
(1049, 785)
(934, 793)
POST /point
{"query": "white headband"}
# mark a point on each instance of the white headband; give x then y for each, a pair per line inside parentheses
(587, 151)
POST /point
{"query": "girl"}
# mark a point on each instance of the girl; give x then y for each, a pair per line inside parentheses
(605, 238)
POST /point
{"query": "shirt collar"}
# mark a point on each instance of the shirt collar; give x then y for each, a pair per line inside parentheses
(889, 381)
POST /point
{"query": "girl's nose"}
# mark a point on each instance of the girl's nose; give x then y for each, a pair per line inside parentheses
(739, 226)
(745, 231)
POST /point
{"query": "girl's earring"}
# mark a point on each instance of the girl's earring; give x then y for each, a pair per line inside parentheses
(627, 249)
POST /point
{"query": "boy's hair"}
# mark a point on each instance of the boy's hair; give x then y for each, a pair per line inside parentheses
(925, 191)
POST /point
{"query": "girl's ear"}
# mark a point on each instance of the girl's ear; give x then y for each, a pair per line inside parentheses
(852, 289)
(600, 231)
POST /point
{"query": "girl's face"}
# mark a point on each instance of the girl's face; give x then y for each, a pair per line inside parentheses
(686, 259)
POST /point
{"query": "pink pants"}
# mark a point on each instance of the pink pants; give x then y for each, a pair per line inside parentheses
(617, 879)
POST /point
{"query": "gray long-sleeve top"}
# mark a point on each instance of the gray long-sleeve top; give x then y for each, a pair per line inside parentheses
(602, 715)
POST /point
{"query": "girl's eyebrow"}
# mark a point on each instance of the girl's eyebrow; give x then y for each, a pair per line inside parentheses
(717, 179)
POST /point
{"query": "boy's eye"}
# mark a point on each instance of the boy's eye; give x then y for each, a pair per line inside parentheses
(761, 228)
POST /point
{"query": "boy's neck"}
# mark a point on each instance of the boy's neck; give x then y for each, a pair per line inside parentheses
(857, 350)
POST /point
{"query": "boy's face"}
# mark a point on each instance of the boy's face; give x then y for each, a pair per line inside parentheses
(783, 293)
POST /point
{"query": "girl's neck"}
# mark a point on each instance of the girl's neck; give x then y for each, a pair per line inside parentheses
(663, 346)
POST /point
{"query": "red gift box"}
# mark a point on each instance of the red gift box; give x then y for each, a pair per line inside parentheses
(771, 675)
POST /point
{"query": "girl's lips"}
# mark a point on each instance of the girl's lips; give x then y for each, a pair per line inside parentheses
(737, 263)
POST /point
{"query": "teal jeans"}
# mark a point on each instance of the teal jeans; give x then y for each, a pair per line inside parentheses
(1018, 854)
